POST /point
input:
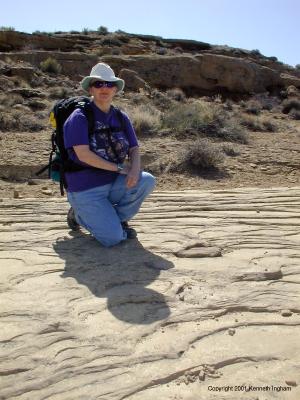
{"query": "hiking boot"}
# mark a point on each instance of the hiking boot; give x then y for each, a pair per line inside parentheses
(71, 220)
(131, 232)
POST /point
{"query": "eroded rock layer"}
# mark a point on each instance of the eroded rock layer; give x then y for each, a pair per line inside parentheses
(207, 298)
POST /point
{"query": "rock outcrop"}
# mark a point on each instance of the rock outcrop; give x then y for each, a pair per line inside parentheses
(74, 64)
(196, 67)
(207, 298)
(11, 40)
(205, 72)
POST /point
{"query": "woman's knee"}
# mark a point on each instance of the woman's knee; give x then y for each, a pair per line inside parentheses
(148, 181)
(110, 240)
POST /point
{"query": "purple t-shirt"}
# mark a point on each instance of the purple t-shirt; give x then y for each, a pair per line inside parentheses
(76, 133)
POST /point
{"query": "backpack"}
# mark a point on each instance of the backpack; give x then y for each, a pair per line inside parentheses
(59, 161)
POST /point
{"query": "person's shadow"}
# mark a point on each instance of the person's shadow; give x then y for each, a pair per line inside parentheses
(120, 273)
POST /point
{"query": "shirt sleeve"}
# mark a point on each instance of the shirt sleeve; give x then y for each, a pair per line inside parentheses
(132, 139)
(76, 130)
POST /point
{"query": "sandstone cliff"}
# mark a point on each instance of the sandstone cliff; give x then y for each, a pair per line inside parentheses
(196, 67)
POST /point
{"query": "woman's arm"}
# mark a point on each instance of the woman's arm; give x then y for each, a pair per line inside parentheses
(135, 167)
(87, 156)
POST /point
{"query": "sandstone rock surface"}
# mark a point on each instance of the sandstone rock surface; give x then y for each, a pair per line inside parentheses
(207, 72)
(11, 40)
(136, 321)
(200, 73)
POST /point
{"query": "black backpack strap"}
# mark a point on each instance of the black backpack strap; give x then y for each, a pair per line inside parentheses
(89, 113)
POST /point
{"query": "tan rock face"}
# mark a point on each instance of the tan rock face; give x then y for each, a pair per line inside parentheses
(137, 321)
(11, 40)
(201, 69)
(133, 81)
(74, 65)
(207, 72)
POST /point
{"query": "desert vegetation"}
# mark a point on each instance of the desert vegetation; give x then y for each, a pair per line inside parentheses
(50, 65)
(184, 134)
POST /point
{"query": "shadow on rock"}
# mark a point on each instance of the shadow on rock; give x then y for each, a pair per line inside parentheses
(120, 273)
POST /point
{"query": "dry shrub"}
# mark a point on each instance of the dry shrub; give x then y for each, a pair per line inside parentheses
(16, 120)
(262, 124)
(207, 118)
(50, 65)
(295, 114)
(202, 154)
(60, 93)
(176, 94)
(9, 100)
(145, 119)
(230, 151)
(36, 104)
(192, 116)
(289, 105)
(227, 128)
(111, 40)
(253, 107)
(161, 100)
(137, 98)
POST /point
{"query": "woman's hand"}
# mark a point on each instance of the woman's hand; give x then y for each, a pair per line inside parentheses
(132, 177)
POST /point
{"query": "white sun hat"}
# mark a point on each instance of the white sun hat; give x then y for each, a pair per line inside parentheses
(102, 72)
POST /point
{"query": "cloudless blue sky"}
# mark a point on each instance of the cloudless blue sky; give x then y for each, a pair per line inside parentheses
(271, 26)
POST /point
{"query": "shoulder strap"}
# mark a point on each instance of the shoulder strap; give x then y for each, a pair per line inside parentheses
(89, 113)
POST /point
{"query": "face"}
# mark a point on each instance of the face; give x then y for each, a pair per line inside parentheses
(103, 95)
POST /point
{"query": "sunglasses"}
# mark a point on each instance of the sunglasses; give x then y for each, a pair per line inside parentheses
(101, 84)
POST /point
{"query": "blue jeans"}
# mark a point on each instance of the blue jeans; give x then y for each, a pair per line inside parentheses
(101, 210)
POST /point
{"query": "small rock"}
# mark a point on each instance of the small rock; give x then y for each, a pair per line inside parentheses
(16, 194)
(200, 252)
(201, 376)
(231, 331)
(48, 192)
(291, 383)
(286, 313)
(32, 182)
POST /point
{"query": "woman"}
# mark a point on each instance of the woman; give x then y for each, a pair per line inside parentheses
(105, 197)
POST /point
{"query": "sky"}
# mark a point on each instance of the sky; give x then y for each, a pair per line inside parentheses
(270, 26)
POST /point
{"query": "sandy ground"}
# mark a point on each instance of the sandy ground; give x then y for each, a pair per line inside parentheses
(271, 159)
(204, 305)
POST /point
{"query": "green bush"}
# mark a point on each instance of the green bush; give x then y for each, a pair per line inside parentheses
(50, 65)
